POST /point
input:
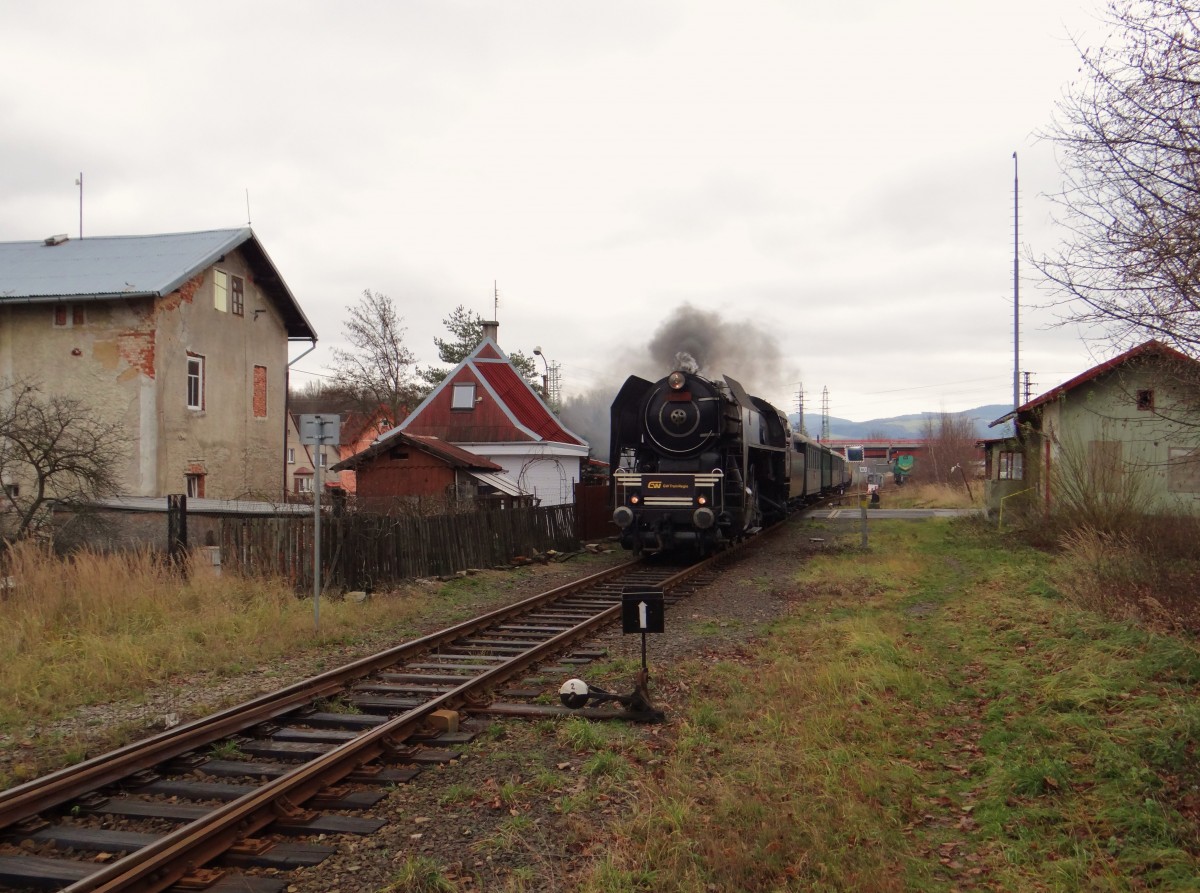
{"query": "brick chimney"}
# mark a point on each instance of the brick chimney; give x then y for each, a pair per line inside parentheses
(489, 330)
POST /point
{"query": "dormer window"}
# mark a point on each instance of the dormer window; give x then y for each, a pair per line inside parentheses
(463, 397)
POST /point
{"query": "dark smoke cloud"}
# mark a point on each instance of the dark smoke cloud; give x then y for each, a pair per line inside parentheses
(744, 350)
(695, 340)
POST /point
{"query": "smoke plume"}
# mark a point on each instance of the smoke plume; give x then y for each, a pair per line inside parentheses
(691, 340)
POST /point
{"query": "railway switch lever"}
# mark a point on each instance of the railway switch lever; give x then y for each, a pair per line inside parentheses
(575, 693)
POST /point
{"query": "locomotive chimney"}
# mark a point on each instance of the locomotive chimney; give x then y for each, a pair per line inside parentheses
(489, 330)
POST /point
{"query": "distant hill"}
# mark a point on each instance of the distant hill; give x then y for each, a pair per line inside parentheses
(905, 426)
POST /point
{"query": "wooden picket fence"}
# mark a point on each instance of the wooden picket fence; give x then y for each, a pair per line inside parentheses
(371, 551)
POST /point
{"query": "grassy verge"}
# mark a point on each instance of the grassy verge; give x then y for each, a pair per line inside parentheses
(932, 716)
(101, 628)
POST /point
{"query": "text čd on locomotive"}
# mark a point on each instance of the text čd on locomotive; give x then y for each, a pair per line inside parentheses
(700, 463)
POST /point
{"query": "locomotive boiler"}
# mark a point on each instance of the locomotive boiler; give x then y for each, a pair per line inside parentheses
(696, 462)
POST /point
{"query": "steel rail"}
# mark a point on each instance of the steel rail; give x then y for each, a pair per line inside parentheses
(165, 862)
(25, 801)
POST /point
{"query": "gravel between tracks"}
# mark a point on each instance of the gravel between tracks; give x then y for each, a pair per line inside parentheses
(494, 820)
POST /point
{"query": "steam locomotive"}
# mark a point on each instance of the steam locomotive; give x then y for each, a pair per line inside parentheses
(701, 463)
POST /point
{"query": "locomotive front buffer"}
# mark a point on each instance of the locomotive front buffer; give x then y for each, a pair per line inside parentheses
(642, 612)
(655, 509)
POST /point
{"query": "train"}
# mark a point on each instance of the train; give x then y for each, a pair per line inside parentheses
(698, 463)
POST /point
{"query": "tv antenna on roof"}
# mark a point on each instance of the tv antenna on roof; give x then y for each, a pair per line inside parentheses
(79, 183)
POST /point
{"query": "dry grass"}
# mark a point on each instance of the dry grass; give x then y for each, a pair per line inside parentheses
(927, 720)
(1147, 573)
(97, 627)
(939, 496)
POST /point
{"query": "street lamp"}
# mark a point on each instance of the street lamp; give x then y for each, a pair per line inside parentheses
(537, 352)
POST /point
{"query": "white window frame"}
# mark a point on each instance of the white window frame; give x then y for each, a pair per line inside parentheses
(291, 455)
(195, 382)
(463, 396)
(304, 483)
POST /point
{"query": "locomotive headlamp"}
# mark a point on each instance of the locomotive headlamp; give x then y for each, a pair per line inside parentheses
(676, 381)
(702, 500)
(635, 498)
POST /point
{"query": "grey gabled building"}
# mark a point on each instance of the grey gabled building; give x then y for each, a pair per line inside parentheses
(181, 338)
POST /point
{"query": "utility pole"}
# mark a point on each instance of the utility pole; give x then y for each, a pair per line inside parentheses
(1028, 386)
(1016, 291)
(825, 414)
(800, 426)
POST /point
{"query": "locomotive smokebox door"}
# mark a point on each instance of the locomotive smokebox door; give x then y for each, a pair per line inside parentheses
(642, 610)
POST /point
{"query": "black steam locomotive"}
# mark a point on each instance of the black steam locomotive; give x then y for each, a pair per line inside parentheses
(700, 463)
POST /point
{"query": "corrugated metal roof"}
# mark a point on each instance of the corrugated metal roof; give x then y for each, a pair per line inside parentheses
(524, 404)
(110, 267)
(499, 481)
(516, 399)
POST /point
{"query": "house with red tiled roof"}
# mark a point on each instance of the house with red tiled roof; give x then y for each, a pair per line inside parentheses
(1125, 430)
(485, 407)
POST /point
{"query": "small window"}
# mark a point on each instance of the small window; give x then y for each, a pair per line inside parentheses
(1145, 400)
(322, 459)
(464, 396)
(291, 456)
(195, 486)
(304, 483)
(221, 290)
(195, 382)
(68, 315)
(237, 296)
(13, 491)
(1012, 466)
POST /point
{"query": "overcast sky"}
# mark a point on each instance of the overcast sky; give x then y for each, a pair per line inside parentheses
(832, 183)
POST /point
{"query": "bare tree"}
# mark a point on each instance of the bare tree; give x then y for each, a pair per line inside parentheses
(467, 328)
(1129, 137)
(952, 455)
(379, 371)
(52, 449)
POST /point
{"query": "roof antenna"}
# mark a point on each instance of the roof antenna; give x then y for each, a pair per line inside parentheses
(247, 206)
(79, 183)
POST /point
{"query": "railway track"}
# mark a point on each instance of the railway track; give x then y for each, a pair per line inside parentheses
(249, 787)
